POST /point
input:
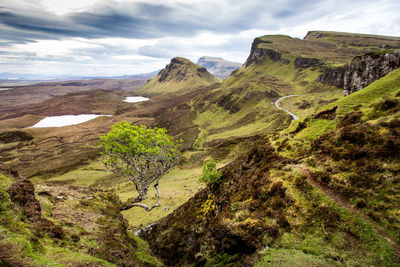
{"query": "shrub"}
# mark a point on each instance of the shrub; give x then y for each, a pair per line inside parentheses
(210, 174)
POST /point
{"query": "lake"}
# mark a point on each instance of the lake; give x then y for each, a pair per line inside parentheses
(134, 99)
(65, 120)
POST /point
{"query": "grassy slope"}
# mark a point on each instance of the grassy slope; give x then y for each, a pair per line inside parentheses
(356, 171)
(265, 201)
(174, 83)
(362, 100)
(83, 224)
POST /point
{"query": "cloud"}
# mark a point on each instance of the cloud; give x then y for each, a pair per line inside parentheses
(124, 36)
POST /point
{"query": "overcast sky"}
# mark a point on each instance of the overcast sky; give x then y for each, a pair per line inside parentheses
(118, 37)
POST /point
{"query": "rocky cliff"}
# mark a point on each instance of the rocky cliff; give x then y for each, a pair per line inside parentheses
(257, 54)
(218, 67)
(361, 71)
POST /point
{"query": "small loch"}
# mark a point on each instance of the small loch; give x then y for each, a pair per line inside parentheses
(135, 99)
(65, 120)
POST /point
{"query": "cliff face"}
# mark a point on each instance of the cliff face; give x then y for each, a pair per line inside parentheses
(257, 55)
(361, 71)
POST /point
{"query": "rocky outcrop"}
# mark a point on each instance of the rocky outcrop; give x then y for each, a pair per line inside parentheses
(257, 55)
(303, 62)
(176, 70)
(361, 71)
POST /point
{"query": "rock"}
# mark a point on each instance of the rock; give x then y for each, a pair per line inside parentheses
(257, 55)
(14, 136)
(303, 62)
(176, 70)
(361, 71)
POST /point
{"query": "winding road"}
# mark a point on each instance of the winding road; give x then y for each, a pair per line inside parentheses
(287, 111)
(294, 116)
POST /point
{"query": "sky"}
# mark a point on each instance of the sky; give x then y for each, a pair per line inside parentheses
(123, 37)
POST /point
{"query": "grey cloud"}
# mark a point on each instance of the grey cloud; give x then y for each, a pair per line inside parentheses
(144, 20)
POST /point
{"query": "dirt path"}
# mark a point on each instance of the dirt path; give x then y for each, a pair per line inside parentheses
(294, 116)
(344, 202)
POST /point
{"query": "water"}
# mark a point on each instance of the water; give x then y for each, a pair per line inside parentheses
(5, 89)
(134, 99)
(65, 120)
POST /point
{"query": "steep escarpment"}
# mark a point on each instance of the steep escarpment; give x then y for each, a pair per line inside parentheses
(257, 55)
(361, 71)
(179, 74)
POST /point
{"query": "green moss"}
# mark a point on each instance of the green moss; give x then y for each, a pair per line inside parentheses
(316, 128)
(290, 257)
(144, 253)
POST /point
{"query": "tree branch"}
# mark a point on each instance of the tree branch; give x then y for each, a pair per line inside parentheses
(135, 203)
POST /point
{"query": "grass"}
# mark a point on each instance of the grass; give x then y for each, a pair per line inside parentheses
(315, 128)
(307, 104)
(333, 48)
(176, 188)
(274, 257)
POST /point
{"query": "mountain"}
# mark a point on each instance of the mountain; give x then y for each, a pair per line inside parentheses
(180, 74)
(218, 67)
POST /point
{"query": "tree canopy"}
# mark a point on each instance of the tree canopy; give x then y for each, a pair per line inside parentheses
(142, 154)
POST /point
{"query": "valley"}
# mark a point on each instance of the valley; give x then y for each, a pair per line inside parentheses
(309, 176)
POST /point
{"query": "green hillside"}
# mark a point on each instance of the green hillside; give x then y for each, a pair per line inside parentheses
(324, 193)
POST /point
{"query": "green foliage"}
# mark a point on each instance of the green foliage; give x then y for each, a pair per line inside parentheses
(126, 141)
(210, 174)
(139, 153)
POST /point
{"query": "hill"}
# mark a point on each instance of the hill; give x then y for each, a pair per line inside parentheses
(324, 192)
(218, 67)
(179, 75)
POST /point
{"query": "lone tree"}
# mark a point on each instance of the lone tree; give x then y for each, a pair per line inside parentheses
(141, 154)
